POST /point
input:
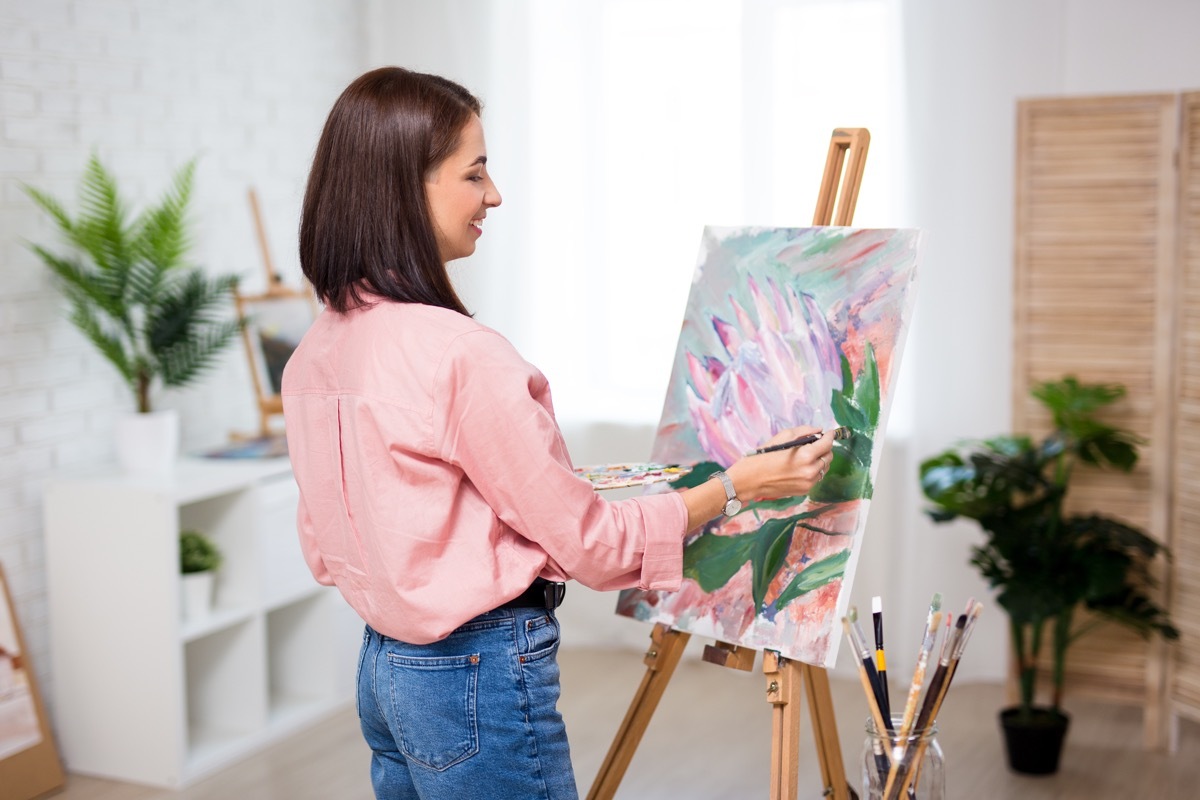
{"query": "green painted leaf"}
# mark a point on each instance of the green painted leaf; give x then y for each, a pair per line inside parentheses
(814, 576)
(712, 559)
(699, 474)
(769, 555)
(866, 389)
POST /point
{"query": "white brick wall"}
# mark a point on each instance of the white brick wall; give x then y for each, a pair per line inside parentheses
(244, 84)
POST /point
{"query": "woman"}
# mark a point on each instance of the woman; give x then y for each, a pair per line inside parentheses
(436, 491)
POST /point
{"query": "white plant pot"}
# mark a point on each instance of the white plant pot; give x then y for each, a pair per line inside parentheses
(197, 595)
(148, 444)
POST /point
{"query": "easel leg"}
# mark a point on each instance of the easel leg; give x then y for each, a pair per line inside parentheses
(829, 750)
(666, 648)
(783, 693)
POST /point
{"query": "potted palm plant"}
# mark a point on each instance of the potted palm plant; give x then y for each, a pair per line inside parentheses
(1044, 562)
(134, 296)
(199, 559)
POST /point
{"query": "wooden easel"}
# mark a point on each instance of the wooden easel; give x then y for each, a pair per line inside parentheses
(270, 404)
(784, 676)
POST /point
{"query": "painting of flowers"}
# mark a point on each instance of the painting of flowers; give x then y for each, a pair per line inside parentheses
(783, 327)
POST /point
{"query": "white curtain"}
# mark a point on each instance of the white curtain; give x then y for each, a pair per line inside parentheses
(616, 130)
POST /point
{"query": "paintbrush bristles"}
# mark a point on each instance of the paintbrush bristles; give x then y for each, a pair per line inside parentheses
(966, 634)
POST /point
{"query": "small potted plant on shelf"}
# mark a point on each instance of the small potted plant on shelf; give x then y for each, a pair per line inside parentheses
(134, 296)
(1044, 562)
(199, 560)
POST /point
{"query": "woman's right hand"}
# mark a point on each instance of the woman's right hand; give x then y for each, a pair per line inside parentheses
(767, 476)
(783, 473)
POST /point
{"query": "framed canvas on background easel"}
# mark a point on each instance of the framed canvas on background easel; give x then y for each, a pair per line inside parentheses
(29, 762)
(785, 676)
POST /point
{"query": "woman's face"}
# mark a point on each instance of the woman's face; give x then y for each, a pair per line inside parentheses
(460, 192)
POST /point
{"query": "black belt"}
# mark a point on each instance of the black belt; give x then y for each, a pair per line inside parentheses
(540, 594)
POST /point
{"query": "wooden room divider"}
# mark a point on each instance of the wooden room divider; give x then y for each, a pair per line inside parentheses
(1183, 672)
(1107, 227)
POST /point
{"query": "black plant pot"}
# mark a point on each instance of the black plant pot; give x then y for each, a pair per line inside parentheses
(1034, 740)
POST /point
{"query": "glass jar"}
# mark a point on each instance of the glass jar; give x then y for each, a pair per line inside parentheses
(918, 753)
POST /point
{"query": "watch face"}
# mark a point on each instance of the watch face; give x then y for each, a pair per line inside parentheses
(733, 507)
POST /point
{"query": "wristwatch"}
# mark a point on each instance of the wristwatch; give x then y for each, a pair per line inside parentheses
(732, 504)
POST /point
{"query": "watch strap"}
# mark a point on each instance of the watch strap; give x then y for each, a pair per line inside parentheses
(727, 482)
(732, 504)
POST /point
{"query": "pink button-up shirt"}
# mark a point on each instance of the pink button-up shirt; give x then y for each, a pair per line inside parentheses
(434, 481)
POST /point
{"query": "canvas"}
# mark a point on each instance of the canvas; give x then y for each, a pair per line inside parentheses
(783, 327)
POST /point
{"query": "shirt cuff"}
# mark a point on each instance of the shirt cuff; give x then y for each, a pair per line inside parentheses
(665, 518)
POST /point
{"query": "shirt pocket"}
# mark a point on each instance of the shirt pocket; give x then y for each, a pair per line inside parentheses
(434, 708)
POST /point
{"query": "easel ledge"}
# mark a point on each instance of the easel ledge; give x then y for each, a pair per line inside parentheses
(848, 152)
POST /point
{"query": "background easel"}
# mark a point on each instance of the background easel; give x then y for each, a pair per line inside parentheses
(270, 404)
(784, 676)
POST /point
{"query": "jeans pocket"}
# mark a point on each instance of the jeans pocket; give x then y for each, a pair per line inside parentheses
(542, 635)
(434, 707)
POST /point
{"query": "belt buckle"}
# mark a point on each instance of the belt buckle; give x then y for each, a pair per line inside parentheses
(554, 593)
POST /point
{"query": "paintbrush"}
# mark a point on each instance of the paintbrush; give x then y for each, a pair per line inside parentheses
(864, 652)
(918, 682)
(901, 774)
(963, 628)
(972, 617)
(865, 673)
(880, 657)
(838, 433)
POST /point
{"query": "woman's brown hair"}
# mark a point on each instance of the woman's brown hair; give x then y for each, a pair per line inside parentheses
(365, 224)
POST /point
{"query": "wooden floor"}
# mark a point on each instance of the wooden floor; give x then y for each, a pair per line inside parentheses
(711, 739)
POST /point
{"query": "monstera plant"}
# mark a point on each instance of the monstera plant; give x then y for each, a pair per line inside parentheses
(1044, 561)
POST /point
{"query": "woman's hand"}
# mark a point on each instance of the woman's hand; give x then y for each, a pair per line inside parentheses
(768, 476)
(783, 473)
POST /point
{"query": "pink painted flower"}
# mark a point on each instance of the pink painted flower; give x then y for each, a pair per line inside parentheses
(779, 372)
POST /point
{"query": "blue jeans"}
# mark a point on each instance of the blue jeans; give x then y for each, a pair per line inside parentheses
(472, 716)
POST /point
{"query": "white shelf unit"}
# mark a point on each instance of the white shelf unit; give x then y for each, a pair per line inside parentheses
(140, 694)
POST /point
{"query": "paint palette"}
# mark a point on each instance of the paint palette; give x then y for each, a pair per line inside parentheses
(620, 476)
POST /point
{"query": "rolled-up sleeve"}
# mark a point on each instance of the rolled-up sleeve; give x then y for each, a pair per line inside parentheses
(496, 424)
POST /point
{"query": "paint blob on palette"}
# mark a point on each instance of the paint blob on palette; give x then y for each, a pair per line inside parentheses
(620, 476)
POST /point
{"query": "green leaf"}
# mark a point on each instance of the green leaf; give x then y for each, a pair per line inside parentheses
(712, 559)
(184, 362)
(700, 473)
(847, 413)
(866, 389)
(51, 206)
(108, 344)
(769, 555)
(847, 477)
(856, 406)
(814, 576)
(162, 236)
